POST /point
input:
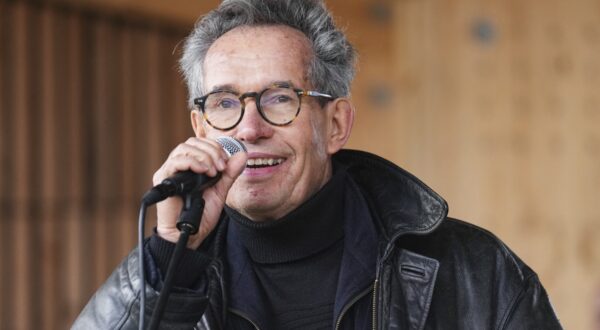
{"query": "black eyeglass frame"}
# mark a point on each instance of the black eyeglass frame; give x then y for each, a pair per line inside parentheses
(201, 101)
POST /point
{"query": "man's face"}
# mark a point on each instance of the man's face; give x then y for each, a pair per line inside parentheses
(294, 159)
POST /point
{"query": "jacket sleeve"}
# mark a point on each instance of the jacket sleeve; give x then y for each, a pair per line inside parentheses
(116, 304)
(532, 309)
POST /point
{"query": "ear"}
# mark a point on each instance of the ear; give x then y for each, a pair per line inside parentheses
(341, 119)
(197, 123)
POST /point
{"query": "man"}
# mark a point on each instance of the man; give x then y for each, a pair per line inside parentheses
(299, 234)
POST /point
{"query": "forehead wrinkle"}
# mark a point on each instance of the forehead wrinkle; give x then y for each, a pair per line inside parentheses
(300, 45)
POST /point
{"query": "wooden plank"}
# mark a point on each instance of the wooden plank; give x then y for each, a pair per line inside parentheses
(408, 37)
(182, 127)
(127, 146)
(513, 132)
(22, 247)
(75, 293)
(48, 114)
(100, 149)
(61, 175)
(112, 139)
(153, 87)
(5, 198)
(154, 125)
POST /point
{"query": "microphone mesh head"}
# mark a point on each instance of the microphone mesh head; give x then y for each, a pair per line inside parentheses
(231, 145)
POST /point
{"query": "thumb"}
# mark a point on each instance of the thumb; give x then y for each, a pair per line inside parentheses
(235, 166)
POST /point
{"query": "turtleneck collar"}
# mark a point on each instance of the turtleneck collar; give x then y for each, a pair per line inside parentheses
(311, 228)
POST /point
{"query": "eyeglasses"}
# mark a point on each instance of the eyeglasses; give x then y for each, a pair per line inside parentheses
(278, 105)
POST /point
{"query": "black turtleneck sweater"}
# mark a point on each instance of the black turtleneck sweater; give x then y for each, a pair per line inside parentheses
(296, 259)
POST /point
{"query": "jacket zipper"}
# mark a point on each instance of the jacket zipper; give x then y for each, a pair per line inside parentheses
(352, 302)
(339, 320)
(245, 317)
(375, 303)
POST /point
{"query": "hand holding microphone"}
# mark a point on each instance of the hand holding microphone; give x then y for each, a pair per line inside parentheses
(198, 163)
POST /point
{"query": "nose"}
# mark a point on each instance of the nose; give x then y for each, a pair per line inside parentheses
(252, 127)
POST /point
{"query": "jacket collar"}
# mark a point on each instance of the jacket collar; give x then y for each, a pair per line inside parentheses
(398, 201)
(399, 204)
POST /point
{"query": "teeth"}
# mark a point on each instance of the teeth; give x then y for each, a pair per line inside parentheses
(264, 161)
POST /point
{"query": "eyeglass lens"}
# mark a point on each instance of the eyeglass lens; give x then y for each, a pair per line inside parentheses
(277, 105)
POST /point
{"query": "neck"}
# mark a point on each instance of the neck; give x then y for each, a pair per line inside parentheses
(312, 227)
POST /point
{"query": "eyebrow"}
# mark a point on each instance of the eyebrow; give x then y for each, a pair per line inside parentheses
(282, 83)
(232, 88)
(226, 87)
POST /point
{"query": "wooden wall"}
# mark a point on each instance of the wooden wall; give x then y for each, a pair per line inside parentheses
(495, 104)
(89, 107)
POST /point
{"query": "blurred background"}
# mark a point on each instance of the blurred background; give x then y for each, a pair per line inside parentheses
(494, 103)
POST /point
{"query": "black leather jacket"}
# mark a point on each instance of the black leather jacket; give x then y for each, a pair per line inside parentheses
(430, 271)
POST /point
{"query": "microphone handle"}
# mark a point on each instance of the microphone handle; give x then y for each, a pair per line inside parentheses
(180, 183)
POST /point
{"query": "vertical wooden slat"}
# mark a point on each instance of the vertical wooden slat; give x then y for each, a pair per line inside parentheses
(112, 139)
(5, 219)
(167, 111)
(139, 132)
(61, 175)
(154, 125)
(76, 218)
(174, 109)
(100, 155)
(34, 127)
(127, 211)
(22, 230)
(89, 198)
(177, 107)
(49, 119)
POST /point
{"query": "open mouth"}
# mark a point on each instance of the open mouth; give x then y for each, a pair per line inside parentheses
(263, 162)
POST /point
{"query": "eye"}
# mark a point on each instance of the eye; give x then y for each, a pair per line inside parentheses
(224, 101)
(277, 97)
(282, 99)
(227, 103)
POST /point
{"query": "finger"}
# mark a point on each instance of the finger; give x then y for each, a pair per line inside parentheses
(213, 148)
(184, 163)
(235, 166)
(203, 153)
(181, 164)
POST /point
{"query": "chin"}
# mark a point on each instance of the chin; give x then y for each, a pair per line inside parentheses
(255, 207)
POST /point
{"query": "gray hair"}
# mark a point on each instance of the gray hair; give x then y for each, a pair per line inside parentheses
(331, 68)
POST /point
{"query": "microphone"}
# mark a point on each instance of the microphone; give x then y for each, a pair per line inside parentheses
(182, 183)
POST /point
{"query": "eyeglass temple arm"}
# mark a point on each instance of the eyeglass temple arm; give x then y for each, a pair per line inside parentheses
(314, 93)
